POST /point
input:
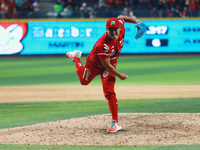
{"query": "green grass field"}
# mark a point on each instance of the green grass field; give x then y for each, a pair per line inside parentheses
(141, 70)
(60, 71)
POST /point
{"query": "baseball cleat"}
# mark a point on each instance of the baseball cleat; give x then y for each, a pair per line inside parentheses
(72, 55)
(114, 127)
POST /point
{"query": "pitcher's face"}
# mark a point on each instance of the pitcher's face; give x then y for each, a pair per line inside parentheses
(113, 32)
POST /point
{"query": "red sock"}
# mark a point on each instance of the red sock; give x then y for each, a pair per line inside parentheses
(79, 66)
(113, 105)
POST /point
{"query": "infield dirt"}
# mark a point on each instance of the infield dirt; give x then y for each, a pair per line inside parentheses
(138, 128)
(70, 93)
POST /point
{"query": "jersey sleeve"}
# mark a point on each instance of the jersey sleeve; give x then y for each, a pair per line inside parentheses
(122, 22)
(103, 51)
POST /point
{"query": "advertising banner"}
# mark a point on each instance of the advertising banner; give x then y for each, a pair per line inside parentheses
(165, 36)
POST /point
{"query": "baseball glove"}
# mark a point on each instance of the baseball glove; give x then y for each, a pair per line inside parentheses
(141, 29)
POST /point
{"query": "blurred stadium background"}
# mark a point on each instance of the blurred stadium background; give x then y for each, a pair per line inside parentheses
(98, 8)
(58, 26)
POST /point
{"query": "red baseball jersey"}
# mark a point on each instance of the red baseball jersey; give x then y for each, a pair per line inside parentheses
(105, 47)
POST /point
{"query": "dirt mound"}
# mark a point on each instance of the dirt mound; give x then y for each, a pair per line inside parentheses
(137, 129)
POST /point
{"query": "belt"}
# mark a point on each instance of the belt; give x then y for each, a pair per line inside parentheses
(96, 65)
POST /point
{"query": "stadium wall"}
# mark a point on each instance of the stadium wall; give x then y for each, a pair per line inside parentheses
(58, 36)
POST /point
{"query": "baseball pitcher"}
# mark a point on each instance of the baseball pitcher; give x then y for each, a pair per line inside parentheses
(102, 60)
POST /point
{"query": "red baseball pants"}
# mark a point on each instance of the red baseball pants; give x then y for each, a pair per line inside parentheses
(88, 72)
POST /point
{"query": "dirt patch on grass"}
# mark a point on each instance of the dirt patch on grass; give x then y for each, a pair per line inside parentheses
(137, 128)
(71, 93)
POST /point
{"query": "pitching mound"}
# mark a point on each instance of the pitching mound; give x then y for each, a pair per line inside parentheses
(137, 129)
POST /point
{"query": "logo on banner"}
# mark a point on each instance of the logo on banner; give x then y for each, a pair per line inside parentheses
(156, 42)
(11, 35)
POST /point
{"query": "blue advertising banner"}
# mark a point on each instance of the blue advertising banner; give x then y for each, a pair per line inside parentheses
(61, 37)
(171, 36)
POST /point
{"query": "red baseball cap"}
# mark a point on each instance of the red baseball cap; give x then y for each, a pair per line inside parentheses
(112, 22)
